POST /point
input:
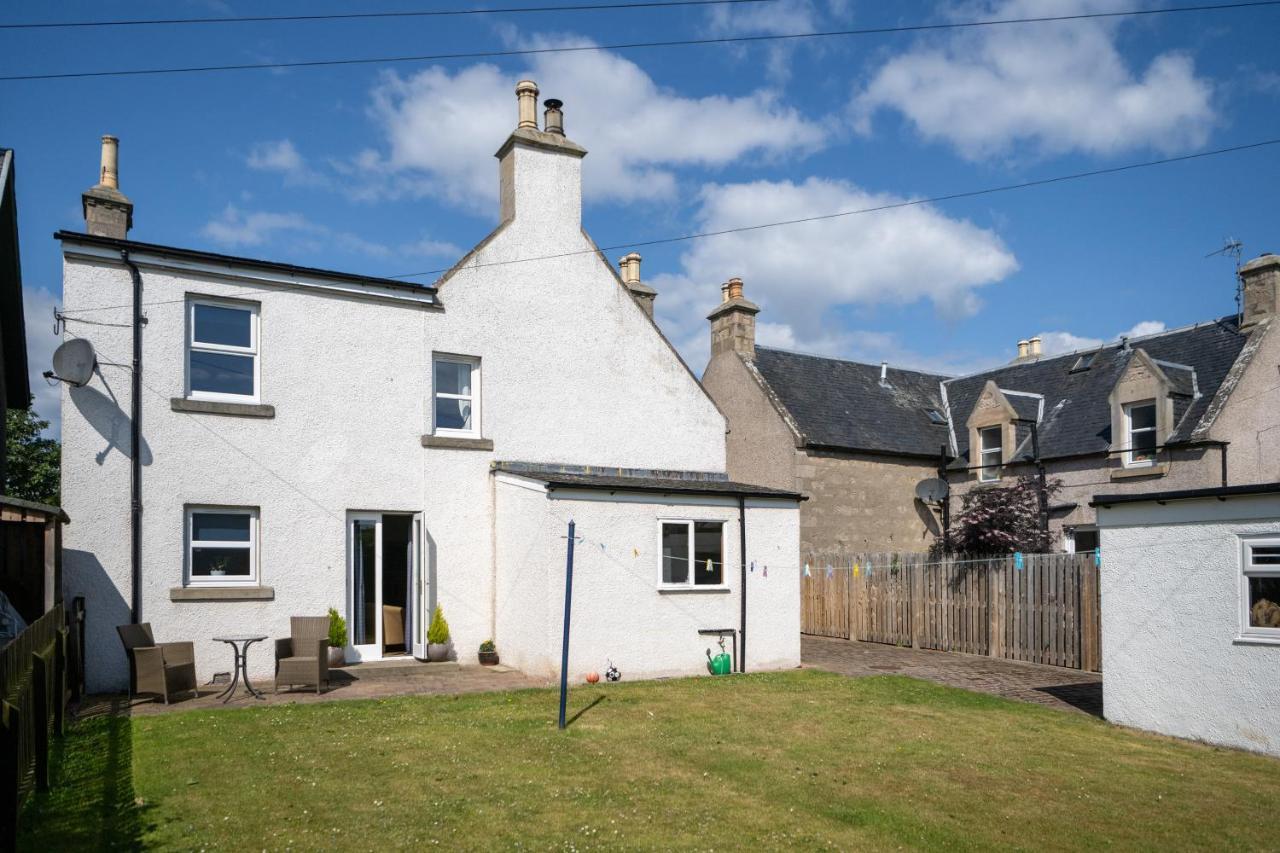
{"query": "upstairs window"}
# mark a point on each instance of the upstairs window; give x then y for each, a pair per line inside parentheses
(1140, 429)
(692, 553)
(1260, 588)
(991, 453)
(220, 542)
(935, 417)
(1084, 362)
(222, 350)
(456, 381)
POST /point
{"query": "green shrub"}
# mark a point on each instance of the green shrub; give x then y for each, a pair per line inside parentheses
(337, 630)
(438, 631)
(488, 646)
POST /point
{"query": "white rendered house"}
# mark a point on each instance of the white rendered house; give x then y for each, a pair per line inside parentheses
(313, 439)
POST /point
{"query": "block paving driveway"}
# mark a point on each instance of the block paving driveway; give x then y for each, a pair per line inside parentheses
(1055, 687)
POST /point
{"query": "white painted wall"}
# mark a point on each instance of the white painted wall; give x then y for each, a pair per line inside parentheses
(572, 372)
(619, 613)
(1172, 657)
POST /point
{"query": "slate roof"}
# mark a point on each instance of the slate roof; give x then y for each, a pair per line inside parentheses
(1077, 416)
(841, 404)
(639, 480)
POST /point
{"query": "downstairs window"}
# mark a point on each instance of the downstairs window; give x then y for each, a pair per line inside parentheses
(692, 553)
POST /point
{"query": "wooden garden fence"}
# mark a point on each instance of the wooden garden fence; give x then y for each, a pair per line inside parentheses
(41, 671)
(1041, 608)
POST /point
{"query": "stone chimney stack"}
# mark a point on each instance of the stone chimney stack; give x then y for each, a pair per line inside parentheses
(733, 322)
(644, 295)
(540, 171)
(1260, 286)
(107, 211)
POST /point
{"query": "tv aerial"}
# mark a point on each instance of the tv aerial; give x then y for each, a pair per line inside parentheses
(74, 363)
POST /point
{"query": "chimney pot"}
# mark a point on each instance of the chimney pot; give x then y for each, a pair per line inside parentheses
(527, 101)
(884, 374)
(1024, 348)
(724, 292)
(629, 265)
(110, 173)
(1035, 346)
(107, 211)
(735, 288)
(553, 120)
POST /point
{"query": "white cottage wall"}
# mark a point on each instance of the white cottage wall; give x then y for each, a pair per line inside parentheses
(619, 612)
(1172, 657)
(347, 377)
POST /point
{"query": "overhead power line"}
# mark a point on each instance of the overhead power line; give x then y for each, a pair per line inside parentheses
(349, 16)
(1128, 167)
(496, 54)
(778, 224)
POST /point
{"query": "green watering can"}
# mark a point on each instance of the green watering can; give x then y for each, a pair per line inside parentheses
(721, 664)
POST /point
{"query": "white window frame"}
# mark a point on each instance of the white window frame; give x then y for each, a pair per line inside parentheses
(474, 363)
(988, 472)
(1129, 460)
(252, 350)
(1248, 570)
(251, 546)
(688, 583)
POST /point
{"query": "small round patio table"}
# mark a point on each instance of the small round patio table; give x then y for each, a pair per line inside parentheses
(240, 644)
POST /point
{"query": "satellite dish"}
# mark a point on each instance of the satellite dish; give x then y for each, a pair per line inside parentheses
(74, 362)
(932, 490)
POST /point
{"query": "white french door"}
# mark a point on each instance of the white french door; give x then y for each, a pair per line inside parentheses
(386, 589)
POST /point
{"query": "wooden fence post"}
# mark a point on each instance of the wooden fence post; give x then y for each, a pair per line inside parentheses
(40, 718)
(915, 608)
(10, 774)
(60, 682)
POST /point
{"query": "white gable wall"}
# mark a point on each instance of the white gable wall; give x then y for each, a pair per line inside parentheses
(1173, 660)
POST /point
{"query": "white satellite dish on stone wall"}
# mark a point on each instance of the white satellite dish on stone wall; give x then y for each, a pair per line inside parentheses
(74, 362)
(932, 490)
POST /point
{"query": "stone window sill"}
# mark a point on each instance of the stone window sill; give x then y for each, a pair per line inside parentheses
(222, 593)
(1144, 471)
(1256, 641)
(677, 590)
(454, 443)
(216, 407)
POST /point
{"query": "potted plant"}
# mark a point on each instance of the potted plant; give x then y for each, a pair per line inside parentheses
(337, 639)
(218, 568)
(438, 636)
(488, 653)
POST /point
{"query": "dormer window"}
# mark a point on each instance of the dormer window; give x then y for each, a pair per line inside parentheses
(1140, 434)
(991, 453)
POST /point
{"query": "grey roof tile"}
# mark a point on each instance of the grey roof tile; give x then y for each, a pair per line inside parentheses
(841, 404)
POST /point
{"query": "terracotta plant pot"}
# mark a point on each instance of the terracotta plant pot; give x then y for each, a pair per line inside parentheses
(437, 652)
(337, 657)
(489, 658)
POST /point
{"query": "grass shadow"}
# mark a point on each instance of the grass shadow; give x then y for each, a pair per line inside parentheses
(584, 709)
(91, 804)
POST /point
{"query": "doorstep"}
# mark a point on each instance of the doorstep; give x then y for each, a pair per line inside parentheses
(394, 668)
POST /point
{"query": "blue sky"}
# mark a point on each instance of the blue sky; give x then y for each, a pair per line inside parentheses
(388, 169)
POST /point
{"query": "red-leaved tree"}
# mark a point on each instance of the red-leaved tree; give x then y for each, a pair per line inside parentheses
(1003, 519)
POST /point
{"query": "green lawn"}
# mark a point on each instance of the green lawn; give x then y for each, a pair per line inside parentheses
(803, 759)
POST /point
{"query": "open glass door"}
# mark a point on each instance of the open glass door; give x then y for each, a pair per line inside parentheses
(364, 609)
(421, 613)
(386, 589)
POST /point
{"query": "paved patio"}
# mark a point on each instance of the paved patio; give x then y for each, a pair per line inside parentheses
(365, 681)
(1054, 687)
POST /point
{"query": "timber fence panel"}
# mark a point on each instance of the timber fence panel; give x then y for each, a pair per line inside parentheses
(1040, 608)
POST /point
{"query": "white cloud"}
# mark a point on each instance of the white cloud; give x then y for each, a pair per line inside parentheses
(799, 274)
(1059, 87)
(1052, 343)
(238, 228)
(282, 157)
(37, 313)
(442, 127)
(782, 17)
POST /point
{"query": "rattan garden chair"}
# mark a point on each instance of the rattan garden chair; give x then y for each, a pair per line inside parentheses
(304, 657)
(164, 669)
